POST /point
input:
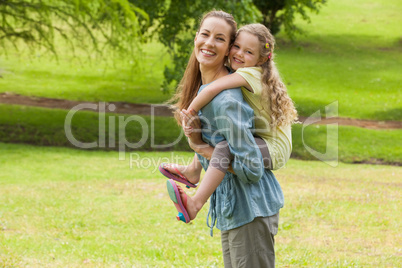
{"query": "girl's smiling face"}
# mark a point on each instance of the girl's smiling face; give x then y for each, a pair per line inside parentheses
(245, 51)
(212, 42)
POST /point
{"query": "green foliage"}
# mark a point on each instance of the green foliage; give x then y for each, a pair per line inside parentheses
(283, 12)
(176, 22)
(88, 25)
(269, 10)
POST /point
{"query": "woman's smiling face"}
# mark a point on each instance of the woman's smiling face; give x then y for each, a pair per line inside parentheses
(212, 42)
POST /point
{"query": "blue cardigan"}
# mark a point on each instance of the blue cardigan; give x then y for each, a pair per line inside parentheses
(253, 191)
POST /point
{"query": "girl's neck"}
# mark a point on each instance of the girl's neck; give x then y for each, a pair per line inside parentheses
(209, 75)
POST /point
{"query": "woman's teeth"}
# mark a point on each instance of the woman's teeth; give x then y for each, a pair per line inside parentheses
(207, 52)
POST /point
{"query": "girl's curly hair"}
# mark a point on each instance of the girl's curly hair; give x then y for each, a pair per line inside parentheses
(274, 97)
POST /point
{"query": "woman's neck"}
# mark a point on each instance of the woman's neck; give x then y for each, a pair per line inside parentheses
(209, 74)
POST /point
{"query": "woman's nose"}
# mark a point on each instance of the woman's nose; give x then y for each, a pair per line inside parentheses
(210, 41)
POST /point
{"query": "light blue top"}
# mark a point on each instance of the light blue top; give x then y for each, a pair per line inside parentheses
(253, 191)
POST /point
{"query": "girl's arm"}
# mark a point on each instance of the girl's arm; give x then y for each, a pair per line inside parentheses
(209, 92)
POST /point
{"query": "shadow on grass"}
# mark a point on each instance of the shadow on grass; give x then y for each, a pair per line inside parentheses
(390, 114)
(330, 42)
(307, 107)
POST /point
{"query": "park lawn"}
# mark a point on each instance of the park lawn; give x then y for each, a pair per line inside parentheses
(78, 78)
(350, 54)
(42, 126)
(346, 144)
(63, 207)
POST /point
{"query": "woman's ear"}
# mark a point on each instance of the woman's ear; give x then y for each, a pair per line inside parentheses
(195, 38)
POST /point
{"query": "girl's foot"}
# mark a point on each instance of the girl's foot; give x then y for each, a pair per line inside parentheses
(191, 206)
(186, 171)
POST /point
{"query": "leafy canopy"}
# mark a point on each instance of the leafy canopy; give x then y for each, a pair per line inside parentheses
(91, 25)
(175, 23)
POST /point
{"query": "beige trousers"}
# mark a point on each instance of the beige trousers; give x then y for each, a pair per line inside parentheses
(251, 245)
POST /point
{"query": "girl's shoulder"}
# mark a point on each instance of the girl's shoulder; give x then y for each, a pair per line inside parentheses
(250, 69)
(251, 74)
(255, 72)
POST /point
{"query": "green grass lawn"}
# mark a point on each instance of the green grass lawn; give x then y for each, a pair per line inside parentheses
(352, 145)
(79, 79)
(351, 53)
(62, 207)
(40, 126)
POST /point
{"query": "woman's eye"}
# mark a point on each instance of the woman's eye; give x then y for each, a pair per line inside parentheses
(221, 39)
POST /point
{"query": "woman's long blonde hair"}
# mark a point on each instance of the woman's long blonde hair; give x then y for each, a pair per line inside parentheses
(191, 81)
(274, 97)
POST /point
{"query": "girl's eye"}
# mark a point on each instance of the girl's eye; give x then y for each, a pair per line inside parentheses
(235, 46)
(249, 52)
(204, 34)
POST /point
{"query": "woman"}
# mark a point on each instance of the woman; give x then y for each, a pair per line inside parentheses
(245, 206)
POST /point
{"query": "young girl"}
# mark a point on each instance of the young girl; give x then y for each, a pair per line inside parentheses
(251, 56)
